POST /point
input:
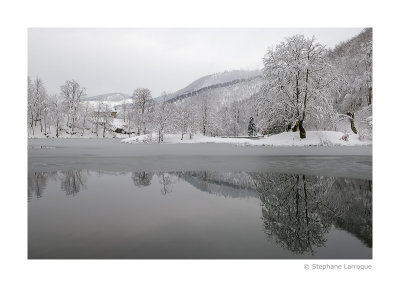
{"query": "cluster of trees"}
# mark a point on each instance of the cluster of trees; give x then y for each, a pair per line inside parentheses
(221, 111)
(353, 63)
(66, 112)
(53, 111)
(306, 83)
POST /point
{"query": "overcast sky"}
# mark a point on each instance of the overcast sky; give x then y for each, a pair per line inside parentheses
(120, 60)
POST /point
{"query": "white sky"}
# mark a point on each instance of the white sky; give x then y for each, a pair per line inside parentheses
(120, 60)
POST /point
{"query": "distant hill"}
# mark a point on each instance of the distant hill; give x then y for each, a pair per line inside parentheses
(213, 81)
(110, 97)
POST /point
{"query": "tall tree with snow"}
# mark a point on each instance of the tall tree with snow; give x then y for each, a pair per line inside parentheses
(181, 116)
(73, 94)
(163, 114)
(142, 103)
(297, 77)
(37, 102)
(205, 114)
(56, 113)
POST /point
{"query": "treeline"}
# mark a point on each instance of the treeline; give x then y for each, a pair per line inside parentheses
(303, 86)
(64, 113)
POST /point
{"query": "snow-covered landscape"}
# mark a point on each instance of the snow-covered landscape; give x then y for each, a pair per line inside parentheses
(305, 94)
(165, 149)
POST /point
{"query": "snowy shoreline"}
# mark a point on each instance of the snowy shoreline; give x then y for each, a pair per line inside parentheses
(314, 138)
(286, 139)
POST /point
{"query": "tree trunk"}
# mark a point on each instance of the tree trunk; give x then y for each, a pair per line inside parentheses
(302, 130)
(83, 126)
(294, 129)
(369, 96)
(353, 127)
(57, 129)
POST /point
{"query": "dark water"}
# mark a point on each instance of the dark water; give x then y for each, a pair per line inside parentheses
(198, 214)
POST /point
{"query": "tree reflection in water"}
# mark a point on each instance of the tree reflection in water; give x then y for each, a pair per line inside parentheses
(72, 181)
(142, 178)
(298, 210)
(165, 180)
(37, 182)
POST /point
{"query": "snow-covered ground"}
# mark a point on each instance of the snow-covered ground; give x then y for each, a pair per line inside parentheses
(86, 134)
(314, 138)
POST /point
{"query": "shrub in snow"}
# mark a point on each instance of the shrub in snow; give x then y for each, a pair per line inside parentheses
(345, 137)
(148, 138)
(323, 140)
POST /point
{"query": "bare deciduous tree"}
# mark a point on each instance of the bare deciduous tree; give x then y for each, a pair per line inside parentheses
(72, 93)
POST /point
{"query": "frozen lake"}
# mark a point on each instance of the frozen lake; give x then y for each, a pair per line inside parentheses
(111, 155)
(90, 198)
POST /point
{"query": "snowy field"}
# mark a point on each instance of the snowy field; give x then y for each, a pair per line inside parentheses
(111, 155)
(314, 138)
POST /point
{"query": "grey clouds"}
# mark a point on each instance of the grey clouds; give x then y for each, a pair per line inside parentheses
(162, 59)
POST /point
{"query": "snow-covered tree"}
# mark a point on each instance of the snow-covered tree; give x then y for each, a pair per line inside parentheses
(30, 104)
(352, 61)
(143, 105)
(192, 122)
(251, 130)
(105, 118)
(84, 111)
(235, 118)
(297, 78)
(181, 116)
(162, 116)
(72, 93)
(124, 108)
(97, 117)
(56, 112)
(37, 102)
(205, 114)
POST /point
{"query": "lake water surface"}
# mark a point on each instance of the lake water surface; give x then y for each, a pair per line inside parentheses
(98, 198)
(81, 213)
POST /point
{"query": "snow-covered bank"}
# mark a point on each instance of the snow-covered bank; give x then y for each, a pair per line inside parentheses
(314, 138)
